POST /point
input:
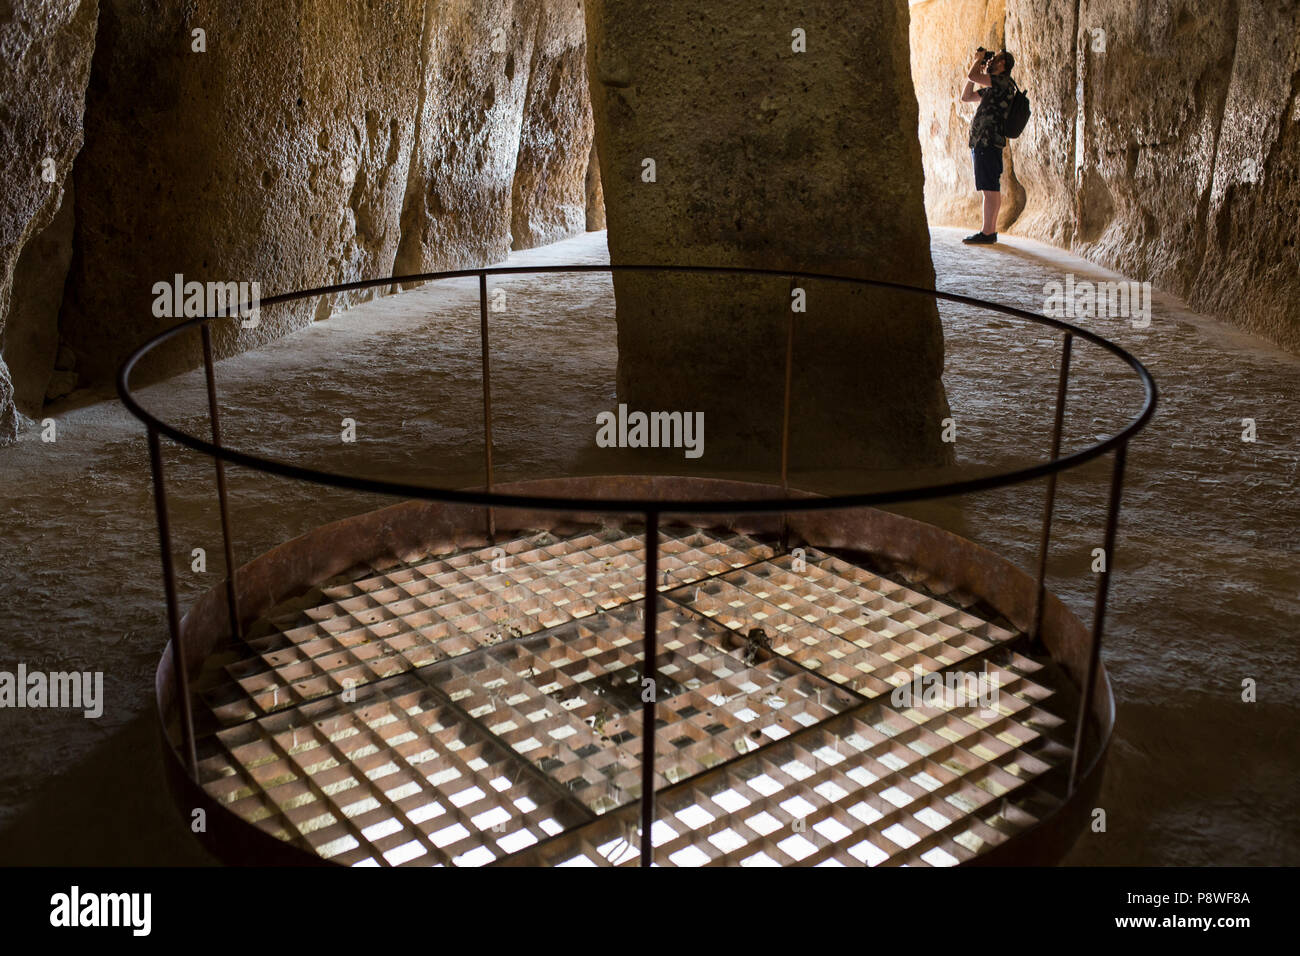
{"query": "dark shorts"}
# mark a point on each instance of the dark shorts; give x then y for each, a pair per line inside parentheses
(988, 168)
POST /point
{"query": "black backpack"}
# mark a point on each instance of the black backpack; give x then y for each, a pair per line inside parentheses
(1017, 115)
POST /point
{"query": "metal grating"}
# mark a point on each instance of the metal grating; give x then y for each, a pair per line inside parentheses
(485, 706)
(395, 620)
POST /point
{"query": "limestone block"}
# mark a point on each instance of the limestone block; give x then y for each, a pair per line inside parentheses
(767, 157)
(550, 181)
(45, 60)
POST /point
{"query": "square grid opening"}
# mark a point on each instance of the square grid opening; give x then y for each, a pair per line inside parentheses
(486, 706)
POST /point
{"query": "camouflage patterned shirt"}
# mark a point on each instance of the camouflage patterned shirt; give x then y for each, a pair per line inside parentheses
(995, 104)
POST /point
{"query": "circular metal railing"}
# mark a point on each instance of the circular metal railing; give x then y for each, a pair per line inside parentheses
(650, 509)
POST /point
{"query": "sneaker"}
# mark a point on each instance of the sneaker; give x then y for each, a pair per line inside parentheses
(981, 238)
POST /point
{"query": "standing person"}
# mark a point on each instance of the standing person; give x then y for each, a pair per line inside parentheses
(994, 95)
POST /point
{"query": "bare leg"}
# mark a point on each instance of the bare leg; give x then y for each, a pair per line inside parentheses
(992, 203)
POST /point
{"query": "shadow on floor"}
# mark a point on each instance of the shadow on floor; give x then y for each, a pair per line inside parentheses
(111, 809)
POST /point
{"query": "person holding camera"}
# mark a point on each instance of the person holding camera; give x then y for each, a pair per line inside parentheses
(989, 84)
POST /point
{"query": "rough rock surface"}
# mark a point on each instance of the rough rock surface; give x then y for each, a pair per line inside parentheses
(1250, 227)
(1153, 105)
(1041, 35)
(595, 192)
(31, 331)
(45, 55)
(314, 144)
(550, 177)
(489, 69)
(1165, 141)
(804, 160)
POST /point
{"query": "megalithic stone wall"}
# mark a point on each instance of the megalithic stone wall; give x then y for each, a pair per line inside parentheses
(314, 143)
(769, 136)
(292, 144)
(1164, 142)
(47, 51)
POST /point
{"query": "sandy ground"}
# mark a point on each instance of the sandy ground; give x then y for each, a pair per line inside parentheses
(1206, 594)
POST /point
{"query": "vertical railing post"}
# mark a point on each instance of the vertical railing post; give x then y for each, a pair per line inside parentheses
(785, 415)
(232, 597)
(487, 398)
(1099, 610)
(650, 672)
(179, 668)
(1049, 503)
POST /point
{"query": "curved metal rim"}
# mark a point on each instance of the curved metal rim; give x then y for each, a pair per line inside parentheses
(629, 505)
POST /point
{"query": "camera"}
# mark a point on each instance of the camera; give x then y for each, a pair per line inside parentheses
(985, 55)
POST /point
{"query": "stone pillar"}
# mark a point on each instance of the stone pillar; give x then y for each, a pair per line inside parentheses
(781, 138)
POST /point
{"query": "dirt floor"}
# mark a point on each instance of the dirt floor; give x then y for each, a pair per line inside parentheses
(1206, 592)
